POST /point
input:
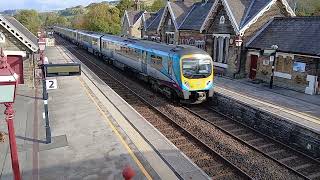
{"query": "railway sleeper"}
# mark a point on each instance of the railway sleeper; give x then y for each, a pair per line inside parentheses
(314, 175)
(303, 166)
(287, 159)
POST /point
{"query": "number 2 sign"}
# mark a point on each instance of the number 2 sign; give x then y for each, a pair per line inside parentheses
(51, 84)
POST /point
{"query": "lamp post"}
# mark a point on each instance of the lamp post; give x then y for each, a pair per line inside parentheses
(273, 47)
(42, 47)
(8, 84)
(238, 42)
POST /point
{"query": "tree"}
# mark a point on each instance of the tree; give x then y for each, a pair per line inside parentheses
(308, 8)
(30, 19)
(78, 22)
(156, 5)
(102, 18)
(124, 5)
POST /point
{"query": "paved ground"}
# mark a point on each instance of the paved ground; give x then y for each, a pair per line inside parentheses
(297, 107)
(25, 119)
(84, 144)
(283, 97)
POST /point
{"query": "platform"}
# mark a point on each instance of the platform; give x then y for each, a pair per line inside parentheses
(299, 108)
(95, 134)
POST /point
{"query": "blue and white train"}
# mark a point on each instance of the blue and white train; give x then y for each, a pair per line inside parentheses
(182, 72)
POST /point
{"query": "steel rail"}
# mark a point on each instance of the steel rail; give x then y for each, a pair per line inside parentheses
(248, 144)
(235, 167)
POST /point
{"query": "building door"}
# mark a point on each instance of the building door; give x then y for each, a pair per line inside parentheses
(16, 63)
(253, 67)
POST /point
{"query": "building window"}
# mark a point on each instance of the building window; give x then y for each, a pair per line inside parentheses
(170, 37)
(222, 20)
(200, 44)
(220, 48)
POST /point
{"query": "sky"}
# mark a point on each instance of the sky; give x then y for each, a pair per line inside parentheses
(42, 5)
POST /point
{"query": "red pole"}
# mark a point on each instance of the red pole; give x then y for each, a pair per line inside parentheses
(9, 112)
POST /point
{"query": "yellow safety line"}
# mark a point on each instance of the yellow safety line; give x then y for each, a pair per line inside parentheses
(287, 110)
(134, 157)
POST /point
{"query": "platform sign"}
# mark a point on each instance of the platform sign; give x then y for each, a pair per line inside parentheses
(269, 52)
(69, 69)
(52, 84)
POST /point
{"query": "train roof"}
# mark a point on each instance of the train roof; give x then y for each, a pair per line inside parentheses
(179, 49)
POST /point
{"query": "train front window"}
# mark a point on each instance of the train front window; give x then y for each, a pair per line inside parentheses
(196, 68)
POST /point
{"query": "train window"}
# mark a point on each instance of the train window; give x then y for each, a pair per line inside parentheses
(156, 62)
(144, 56)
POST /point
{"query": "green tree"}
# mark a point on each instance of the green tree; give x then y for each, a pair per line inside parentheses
(62, 21)
(102, 18)
(78, 22)
(156, 5)
(308, 8)
(30, 19)
(124, 5)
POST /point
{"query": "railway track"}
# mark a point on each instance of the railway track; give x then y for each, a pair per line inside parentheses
(209, 160)
(297, 162)
(206, 157)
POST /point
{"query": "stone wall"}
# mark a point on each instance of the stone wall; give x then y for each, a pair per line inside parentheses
(290, 79)
(125, 29)
(135, 30)
(272, 125)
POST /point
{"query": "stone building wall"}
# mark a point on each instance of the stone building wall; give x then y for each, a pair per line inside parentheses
(135, 30)
(285, 75)
(125, 27)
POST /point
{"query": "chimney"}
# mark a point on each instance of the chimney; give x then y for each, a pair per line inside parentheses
(137, 5)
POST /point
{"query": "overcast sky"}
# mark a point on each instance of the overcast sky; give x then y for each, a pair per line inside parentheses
(42, 5)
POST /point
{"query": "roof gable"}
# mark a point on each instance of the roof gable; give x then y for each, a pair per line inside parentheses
(298, 35)
(20, 32)
(133, 16)
(178, 10)
(156, 21)
(197, 16)
(244, 13)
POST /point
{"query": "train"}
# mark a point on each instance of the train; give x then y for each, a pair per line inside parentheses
(179, 72)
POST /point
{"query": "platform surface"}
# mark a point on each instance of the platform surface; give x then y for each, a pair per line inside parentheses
(91, 137)
(155, 150)
(299, 108)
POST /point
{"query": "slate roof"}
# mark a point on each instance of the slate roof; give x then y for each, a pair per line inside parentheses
(197, 16)
(180, 10)
(191, 16)
(22, 29)
(149, 17)
(255, 7)
(133, 16)
(297, 35)
(155, 22)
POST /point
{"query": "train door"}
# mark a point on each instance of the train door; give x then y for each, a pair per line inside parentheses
(144, 62)
(170, 66)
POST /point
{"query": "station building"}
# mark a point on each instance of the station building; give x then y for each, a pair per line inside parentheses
(21, 47)
(215, 26)
(297, 62)
(131, 24)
